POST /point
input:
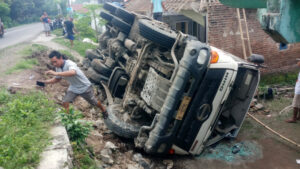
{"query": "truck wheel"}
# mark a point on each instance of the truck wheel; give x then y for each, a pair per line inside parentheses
(101, 68)
(111, 63)
(92, 54)
(110, 7)
(95, 77)
(118, 126)
(123, 26)
(106, 16)
(156, 33)
(125, 15)
(86, 63)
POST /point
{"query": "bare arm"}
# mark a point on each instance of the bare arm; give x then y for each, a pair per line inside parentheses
(62, 74)
(163, 5)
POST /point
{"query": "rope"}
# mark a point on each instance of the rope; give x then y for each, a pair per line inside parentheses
(273, 131)
(288, 108)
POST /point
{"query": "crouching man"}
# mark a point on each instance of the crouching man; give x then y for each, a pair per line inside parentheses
(79, 83)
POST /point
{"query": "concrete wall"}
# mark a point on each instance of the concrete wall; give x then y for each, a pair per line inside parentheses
(224, 33)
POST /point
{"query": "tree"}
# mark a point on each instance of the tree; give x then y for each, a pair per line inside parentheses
(4, 9)
(15, 12)
(92, 11)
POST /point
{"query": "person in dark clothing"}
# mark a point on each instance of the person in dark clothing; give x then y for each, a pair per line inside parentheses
(70, 29)
(1, 28)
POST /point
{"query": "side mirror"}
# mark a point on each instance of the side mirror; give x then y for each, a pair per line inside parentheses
(257, 59)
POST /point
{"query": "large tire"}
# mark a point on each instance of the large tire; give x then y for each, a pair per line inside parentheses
(92, 54)
(158, 34)
(111, 63)
(101, 67)
(86, 63)
(123, 26)
(106, 16)
(95, 77)
(110, 7)
(118, 126)
(126, 16)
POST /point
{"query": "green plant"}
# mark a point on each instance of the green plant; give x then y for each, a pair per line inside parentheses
(4, 96)
(82, 158)
(25, 121)
(77, 130)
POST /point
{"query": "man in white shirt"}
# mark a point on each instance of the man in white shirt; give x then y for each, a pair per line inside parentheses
(79, 83)
(296, 101)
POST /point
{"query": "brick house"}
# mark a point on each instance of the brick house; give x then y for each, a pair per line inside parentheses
(218, 25)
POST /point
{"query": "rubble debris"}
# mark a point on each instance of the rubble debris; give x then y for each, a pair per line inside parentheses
(141, 161)
(259, 106)
(131, 166)
(168, 163)
(110, 145)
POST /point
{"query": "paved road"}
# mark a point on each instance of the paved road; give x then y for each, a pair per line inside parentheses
(20, 34)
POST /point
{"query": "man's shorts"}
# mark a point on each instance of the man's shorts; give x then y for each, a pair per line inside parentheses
(296, 101)
(88, 95)
(70, 37)
(157, 16)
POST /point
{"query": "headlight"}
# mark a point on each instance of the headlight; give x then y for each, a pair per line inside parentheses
(202, 56)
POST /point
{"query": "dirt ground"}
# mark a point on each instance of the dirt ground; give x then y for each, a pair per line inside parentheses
(275, 153)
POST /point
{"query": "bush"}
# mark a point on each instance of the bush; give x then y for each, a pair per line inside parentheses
(77, 130)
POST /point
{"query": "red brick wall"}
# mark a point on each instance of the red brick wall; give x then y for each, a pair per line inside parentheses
(224, 33)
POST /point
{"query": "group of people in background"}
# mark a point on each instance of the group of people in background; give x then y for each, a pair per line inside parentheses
(67, 25)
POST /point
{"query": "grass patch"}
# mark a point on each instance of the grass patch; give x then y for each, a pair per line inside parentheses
(79, 46)
(29, 50)
(277, 104)
(67, 54)
(25, 121)
(23, 64)
(58, 32)
(279, 79)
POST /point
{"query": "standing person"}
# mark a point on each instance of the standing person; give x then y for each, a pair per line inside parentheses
(45, 19)
(70, 29)
(157, 9)
(296, 101)
(79, 83)
(1, 28)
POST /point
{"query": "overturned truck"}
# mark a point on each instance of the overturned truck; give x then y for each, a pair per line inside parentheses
(166, 90)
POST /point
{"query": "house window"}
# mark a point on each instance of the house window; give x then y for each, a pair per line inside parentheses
(182, 26)
(283, 46)
(199, 31)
